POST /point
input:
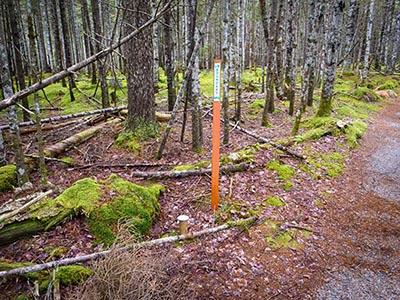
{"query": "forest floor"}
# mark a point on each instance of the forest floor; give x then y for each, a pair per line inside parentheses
(332, 228)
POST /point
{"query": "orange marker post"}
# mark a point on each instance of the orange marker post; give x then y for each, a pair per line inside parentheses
(216, 135)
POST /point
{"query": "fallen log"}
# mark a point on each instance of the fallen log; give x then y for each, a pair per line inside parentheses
(171, 239)
(187, 173)
(71, 116)
(46, 127)
(62, 146)
(24, 207)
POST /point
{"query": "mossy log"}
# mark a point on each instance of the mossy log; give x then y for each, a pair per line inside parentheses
(18, 230)
(188, 173)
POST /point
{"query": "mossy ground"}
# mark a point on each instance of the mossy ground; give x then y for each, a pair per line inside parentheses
(133, 139)
(278, 238)
(325, 165)
(285, 173)
(8, 178)
(274, 201)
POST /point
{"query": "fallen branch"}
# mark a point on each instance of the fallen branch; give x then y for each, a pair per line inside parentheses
(187, 173)
(71, 116)
(47, 127)
(60, 147)
(171, 239)
(108, 166)
(24, 207)
(265, 140)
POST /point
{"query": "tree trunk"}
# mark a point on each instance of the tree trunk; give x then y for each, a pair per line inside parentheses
(32, 13)
(368, 38)
(88, 38)
(350, 33)
(101, 63)
(58, 48)
(279, 51)
(225, 63)
(269, 34)
(290, 76)
(396, 44)
(139, 62)
(169, 60)
(325, 107)
(156, 41)
(14, 17)
(6, 82)
(239, 59)
(67, 47)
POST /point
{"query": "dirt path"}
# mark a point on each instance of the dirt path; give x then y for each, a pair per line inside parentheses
(363, 237)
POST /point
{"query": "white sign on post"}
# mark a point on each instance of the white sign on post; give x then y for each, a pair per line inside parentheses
(217, 81)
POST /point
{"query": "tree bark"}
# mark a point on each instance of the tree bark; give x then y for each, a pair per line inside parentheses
(225, 63)
(325, 107)
(350, 32)
(368, 38)
(396, 45)
(139, 62)
(239, 59)
(14, 17)
(169, 58)
(101, 63)
(156, 41)
(6, 82)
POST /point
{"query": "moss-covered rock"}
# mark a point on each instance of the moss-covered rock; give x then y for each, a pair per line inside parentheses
(353, 132)
(8, 178)
(132, 204)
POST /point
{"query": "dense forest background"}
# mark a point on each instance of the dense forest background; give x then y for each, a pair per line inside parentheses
(293, 47)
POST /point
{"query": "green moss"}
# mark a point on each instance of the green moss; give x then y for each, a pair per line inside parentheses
(55, 252)
(132, 204)
(353, 132)
(73, 275)
(285, 173)
(83, 196)
(277, 238)
(133, 139)
(200, 165)
(8, 178)
(325, 165)
(68, 160)
(275, 201)
(366, 93)
(244, 155)
(388, 85)
(352, 112)
(257, 104)
(318, 127)
(66, 275)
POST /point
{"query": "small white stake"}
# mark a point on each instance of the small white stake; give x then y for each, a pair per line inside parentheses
(183, 224)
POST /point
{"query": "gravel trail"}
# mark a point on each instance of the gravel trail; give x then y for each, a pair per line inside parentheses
(366, 247)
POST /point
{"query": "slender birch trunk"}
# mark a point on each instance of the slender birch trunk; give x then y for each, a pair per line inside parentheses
(396, 45)
(156, 40)
(290, 69)
(169, 58)
(279, 51)
(239, 60)
(350, 33)
(225, 63)
(368, 38)
(333, 46)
